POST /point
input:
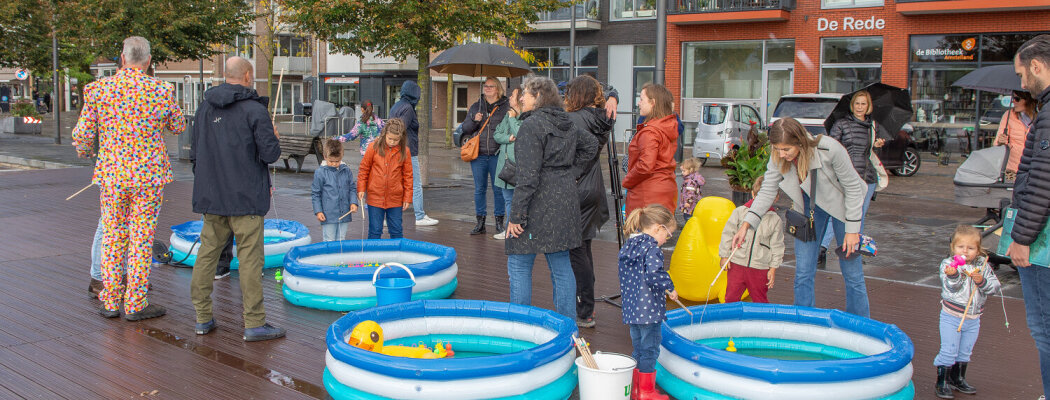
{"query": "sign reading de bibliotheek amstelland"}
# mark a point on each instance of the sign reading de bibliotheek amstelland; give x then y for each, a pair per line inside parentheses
(944, 48)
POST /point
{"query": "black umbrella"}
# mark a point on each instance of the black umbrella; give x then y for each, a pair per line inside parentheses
(891, 109)
(480, 59)
(998, 79)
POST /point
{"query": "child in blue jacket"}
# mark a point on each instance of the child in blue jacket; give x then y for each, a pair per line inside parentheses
(334, 193)
(643, 284)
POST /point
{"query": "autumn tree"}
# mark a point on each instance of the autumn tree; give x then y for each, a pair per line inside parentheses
(404, 28)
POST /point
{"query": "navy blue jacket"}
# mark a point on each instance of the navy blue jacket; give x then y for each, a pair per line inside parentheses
(405, 108)
(333, 191)
(1032, 187)
(233, 142)
(643, 280)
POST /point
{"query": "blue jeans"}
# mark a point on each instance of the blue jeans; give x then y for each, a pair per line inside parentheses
(519, 268)
(417, 190)
(333, 232)
(484, 169)
(956, 346)
(375, 222)
(1035, 286)
(508, 196)
(826, 243)
(806, 268)
(645, 338)
(96, 252)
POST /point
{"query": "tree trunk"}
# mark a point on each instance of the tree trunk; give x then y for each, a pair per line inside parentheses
(450, 112)
(423, 114)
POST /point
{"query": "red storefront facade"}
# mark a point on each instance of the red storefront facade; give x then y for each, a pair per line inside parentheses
(716, 52)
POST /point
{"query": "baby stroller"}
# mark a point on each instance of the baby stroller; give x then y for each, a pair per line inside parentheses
(980, 182)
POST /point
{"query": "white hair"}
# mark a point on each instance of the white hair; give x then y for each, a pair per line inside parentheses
(136, 50)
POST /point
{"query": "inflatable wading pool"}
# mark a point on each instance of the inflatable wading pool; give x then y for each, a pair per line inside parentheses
(323, 275)
(279, 236)
(502, 351)
(782, 352)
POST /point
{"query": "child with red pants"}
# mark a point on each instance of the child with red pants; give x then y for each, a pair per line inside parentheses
(754, 265)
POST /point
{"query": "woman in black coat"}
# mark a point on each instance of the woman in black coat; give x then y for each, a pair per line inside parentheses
(583, 98)
(485, 115)
(549, 157)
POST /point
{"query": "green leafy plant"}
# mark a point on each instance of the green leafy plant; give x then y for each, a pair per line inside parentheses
(24, 108)
(745, 164)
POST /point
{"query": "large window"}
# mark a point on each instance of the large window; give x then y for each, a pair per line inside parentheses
(848, 64)
(628, 9)
(731, 69)
(553, 62)
(243, 47)
(644, 69)
(584, 10)
(850, 3)
(293, 46)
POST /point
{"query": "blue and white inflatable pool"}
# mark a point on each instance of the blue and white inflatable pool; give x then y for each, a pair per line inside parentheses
(503, 351)
(313, 276)
(279, 236)
(783, 352)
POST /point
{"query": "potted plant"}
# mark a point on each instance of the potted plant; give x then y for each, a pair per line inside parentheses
(19, 110)
(745, 164)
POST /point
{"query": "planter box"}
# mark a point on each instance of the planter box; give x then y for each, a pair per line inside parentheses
(741, 198)
(24, 128)
(7, 125)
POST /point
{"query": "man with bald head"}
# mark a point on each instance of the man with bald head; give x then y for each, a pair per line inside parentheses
(233, 142)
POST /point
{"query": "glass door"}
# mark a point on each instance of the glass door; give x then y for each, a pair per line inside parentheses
(777, 81)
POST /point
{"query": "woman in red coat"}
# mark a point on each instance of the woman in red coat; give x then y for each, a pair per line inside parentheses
(650, 161)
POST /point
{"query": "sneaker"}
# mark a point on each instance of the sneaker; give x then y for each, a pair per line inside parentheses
(586, 323)
(222, 272)
(265, 332)
(426, 221)
(500, 236)
(151, 311)
(205, 328)
(109, 313)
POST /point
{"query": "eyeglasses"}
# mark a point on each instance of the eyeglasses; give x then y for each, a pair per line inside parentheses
(668, 231)
(489, 86)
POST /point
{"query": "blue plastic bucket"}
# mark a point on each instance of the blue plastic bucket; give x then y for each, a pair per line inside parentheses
(393, 290)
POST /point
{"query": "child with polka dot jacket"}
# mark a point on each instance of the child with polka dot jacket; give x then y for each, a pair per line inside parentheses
(643, 285)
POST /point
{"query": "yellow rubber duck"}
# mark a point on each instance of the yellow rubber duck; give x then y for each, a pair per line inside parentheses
(368, 335)
(732, 346)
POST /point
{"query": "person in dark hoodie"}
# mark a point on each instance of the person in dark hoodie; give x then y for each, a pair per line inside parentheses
(233, 142)
(584, 101)
(485, 115)
(405, 109)
(550, 156)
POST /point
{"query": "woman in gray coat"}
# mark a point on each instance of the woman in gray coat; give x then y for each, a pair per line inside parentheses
(549, 157)
(839, 200)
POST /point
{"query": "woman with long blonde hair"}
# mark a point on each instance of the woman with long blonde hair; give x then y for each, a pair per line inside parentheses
(836, 197)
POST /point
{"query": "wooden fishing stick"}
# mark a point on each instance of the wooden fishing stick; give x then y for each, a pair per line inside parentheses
(80, 191)
(968, 303)
(724, 266)
(679, 303)
(585, 352)
(277, 102)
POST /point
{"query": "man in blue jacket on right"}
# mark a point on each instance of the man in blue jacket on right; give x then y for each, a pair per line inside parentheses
(405, 109)
(1032, 198)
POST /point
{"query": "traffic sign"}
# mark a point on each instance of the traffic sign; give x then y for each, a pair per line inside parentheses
(21, 74)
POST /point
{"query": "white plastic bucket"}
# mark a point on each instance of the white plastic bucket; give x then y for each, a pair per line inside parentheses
(612, 379)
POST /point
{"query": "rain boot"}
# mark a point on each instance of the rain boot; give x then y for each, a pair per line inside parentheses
(499, 223)
(480, 227)
(943, 389)
(957, 378)
(647, 387)
(634, 384)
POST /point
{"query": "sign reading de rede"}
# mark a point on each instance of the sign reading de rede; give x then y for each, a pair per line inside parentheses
(851, 24)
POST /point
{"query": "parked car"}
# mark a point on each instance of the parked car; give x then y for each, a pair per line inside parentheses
(900, 155)
(723, 126)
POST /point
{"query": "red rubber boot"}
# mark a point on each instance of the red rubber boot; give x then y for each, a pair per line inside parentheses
(634, 384)
(647, 387)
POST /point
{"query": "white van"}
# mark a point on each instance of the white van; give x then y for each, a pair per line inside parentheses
(723, 126)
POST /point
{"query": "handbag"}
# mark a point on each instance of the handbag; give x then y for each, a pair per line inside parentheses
(1038, 251)
(509, 173)
(800, 225)
(882, 178)
(469, 151)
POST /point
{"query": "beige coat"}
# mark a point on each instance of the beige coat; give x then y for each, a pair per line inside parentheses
(763, 248)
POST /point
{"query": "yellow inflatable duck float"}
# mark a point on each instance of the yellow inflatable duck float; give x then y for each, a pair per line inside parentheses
(694, 263)
(368, 335)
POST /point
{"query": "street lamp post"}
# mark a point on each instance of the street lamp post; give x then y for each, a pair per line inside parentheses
(661, 40)
(572, 41)
(54, 88)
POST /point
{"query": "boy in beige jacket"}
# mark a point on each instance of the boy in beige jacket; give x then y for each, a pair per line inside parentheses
(754, 265)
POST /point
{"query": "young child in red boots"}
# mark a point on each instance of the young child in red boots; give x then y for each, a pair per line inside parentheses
(754, 265)
(643, 284)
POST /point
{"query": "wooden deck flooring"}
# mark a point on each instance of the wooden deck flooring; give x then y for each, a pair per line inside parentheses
(53, 344)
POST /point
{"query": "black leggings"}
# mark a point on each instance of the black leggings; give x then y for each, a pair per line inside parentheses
(583, 268)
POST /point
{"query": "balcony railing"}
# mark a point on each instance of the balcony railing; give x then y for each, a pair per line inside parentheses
(292, 65)
(717, 6)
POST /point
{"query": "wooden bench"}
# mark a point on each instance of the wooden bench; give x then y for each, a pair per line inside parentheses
(297, 147)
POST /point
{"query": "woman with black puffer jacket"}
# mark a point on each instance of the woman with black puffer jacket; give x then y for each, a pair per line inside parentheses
(484, 116)
(855, 132)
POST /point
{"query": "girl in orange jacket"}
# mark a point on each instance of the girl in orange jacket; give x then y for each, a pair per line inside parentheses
(386, 176)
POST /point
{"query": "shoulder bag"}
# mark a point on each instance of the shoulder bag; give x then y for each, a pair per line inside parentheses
(800, 225)
(469, 151)
(1038, 251)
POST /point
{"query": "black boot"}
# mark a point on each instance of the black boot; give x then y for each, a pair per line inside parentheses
(943, 389)
(499, 223)
(480, 227)
(957, 379)
(822, 258)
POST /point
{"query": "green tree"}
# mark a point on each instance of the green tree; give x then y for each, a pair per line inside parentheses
(404, 28)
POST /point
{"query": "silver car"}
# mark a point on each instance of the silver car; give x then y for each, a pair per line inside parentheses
(723, 126)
